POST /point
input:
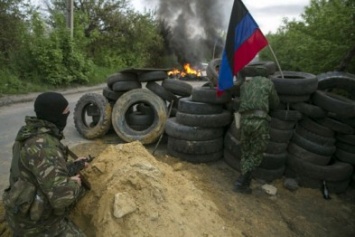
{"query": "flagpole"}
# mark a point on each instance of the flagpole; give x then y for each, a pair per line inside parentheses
(277, 61)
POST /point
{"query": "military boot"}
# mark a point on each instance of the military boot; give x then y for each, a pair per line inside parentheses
(242, 185)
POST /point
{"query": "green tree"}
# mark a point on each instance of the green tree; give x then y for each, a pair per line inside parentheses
(323, 41)
(11, 28)
(113, 34)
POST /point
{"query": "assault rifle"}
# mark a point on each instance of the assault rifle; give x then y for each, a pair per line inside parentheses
(75, 168)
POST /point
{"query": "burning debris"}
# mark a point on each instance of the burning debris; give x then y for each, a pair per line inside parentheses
(188, 72)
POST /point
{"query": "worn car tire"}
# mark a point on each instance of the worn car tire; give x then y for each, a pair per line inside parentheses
(204, 120)
(209, 95)
(120, 76)
(123, 104)
(102, 122)
(341, 106)
(294, 83)
(177, 87)
(177, 130)
(152, 76)
(186, 105)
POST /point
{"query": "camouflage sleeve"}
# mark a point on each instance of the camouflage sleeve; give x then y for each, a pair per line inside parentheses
(49, 167)
(274, 100)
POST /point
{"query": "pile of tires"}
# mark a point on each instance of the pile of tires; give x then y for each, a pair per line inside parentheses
(314, 154)
(134, 112)
(196, 133)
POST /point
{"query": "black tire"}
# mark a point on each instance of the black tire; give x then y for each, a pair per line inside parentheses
(334, 172)
(316, 128)
(278, 135)
(293, 98)
(122, 86)
(260, 68)
(209, 95)
(177, 130)
(295, 83)
(325, 141)
(120, 76)
(161, 91)
(232, 144)
(327, 150)
(309, 110)
(306, 155)
(282, 124)
(186, 105)
(276, 147)
(345, 156)
(196, 147)
(177, 87)
(345, 147)
(204, 120)
(336, 126)
(123, 104)
(231, 159)
(152, 76)
(273, 161)
(102, 123)
(348, 139)
(269, 175)
(139, 118)
(286, 115)
(331, 80)
(234, 131)
(110, 94)
(341, 106)
(196, 158)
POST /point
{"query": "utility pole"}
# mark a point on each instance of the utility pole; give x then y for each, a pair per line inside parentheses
(70, 16)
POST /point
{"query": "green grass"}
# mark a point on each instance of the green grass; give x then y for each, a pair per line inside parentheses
(10, 83)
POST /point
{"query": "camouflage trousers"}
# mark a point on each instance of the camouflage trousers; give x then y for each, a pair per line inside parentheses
(68, 229)
(255, 136)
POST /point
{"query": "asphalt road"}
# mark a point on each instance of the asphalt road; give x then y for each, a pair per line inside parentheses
(12, 114)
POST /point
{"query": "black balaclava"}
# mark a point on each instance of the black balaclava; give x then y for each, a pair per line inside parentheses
(49, 106)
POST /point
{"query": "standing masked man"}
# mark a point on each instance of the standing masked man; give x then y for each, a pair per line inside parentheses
(41, 193)
(257, 97)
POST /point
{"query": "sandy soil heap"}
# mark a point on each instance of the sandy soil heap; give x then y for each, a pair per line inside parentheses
(133, 194)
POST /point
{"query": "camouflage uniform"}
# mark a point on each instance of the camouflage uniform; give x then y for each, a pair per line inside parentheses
(257, 96)
(39, 160)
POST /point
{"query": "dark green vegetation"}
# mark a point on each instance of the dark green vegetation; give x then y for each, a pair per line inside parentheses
(37, 52)
(323, 41)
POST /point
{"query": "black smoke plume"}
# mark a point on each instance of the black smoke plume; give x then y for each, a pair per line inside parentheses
(194, 30)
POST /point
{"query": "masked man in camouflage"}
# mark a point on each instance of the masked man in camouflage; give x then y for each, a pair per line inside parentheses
(257, 97)
(41, 193)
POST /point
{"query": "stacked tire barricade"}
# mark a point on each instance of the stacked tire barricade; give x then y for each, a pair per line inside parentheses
(311, 133)
(196, 133)
(135, 104)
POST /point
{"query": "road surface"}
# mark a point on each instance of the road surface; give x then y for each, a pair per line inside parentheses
(12, 118)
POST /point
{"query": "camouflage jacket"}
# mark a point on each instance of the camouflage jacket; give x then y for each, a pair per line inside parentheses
(42, 162)
(257, 94)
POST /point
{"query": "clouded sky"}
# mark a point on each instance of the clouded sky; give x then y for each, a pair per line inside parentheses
(267, 13)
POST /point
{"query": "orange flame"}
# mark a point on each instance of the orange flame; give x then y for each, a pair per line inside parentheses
(188, 70)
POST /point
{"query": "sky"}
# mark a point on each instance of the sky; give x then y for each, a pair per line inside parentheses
(267, 13)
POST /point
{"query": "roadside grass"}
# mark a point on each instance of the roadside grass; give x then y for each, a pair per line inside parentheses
(10, 84)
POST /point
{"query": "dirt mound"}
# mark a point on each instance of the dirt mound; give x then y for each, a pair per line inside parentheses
(133, 194)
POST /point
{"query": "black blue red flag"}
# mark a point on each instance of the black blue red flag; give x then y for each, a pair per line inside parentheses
(244, 41)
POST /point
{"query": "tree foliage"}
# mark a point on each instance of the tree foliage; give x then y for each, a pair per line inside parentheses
(36, 47)
(322, 41)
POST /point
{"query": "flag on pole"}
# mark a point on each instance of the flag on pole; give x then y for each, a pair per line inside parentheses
(244, 41)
